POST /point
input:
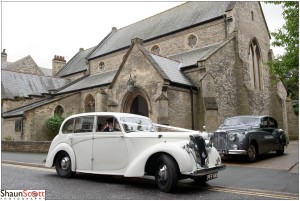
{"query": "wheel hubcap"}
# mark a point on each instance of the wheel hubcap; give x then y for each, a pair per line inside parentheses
(162, 173)
(251, 152)
(65, 163)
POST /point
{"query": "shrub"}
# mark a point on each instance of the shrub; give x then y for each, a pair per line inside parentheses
(54, 123)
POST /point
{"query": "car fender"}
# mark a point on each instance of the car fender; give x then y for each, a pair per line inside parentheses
(61, 147)
(182, 157)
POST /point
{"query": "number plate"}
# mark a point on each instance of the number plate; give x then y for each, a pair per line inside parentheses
(211, 176)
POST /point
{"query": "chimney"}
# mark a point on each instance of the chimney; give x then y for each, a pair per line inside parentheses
(58, 62)
(3, 56)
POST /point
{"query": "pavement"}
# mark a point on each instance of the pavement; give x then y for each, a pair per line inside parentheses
(289, 161)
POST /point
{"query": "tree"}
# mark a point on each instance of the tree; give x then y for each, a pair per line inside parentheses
(286, 66)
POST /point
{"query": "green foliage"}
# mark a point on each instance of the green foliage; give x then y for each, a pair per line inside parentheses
(54, 123)
(9, 138)
(286, 66)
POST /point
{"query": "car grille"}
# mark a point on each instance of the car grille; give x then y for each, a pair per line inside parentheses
(219, 140)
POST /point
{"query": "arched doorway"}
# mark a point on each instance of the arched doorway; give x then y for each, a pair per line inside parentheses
(139, 106)
(136, 102)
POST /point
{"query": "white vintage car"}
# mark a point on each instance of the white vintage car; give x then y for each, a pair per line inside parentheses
(132, 146)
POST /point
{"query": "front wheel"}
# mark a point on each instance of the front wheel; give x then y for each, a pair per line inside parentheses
(63, 165)
(166, 173)
(280, 151)
(252, 153)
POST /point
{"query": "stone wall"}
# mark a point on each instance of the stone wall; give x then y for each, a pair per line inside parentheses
(8, 129)
(18, 102)
(28, 146)
(207, 34)
(293, 122)
(35, 122)
(26, 65)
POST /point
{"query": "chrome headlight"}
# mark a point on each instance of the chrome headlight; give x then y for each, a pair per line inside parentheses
(209, 142)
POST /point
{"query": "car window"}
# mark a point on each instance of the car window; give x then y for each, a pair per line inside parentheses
(273, 123)
(136, 124)
(68, 127)
(107, 124)
(237, 121)
(264, 122)
(84, 124)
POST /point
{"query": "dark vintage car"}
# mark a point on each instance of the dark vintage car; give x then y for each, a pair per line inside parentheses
(249, 136)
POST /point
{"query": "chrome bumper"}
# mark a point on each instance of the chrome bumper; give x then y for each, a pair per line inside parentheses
(233, 152)
(206, 171)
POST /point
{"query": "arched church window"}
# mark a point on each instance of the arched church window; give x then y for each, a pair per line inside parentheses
(101, 65)
(89, 103)
(155, 49)
(59, 110)
(255, 64)
(192, 40)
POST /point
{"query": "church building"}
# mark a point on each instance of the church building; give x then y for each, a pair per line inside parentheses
(190, 66)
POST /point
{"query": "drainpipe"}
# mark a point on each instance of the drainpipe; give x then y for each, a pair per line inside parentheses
(192, 103)
(225, 23)
(22, 130)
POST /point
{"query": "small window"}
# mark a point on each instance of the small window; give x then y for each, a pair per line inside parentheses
(192, 40)
(59, 110)
(68, 126)
(84, 124)
(101, 65)
(155, 49)
(252, 15)
(18, 125)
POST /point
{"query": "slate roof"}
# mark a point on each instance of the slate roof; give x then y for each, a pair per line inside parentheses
(14, 84)
(190, 58)
(172, 69)
(175, 19)
(46, 71)
(90, 82)
(169, 69)
(76, 64)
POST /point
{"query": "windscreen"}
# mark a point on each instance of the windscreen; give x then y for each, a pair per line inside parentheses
(136, 124)
(237, 121)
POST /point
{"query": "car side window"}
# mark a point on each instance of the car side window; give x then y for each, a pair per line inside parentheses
(68, 126)
(84, 124)
(273, 123)
(107, 124)
(264, 123)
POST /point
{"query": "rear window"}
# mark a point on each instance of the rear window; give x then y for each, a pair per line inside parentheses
(79, 125)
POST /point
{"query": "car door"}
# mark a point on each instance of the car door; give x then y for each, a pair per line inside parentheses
(82, 140)
(268, 137)
(109, 147)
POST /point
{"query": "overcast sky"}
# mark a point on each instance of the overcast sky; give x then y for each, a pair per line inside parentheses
(45, 29)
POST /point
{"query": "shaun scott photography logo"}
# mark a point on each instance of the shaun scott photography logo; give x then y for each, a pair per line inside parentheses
(22, 195)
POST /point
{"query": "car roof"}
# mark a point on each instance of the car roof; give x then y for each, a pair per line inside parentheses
(116, 114)
(254, 116)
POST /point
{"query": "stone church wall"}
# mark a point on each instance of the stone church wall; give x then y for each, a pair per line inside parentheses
(180, 110)
(8, 129)
(18, 102)
(207, 34)
(34, 124)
